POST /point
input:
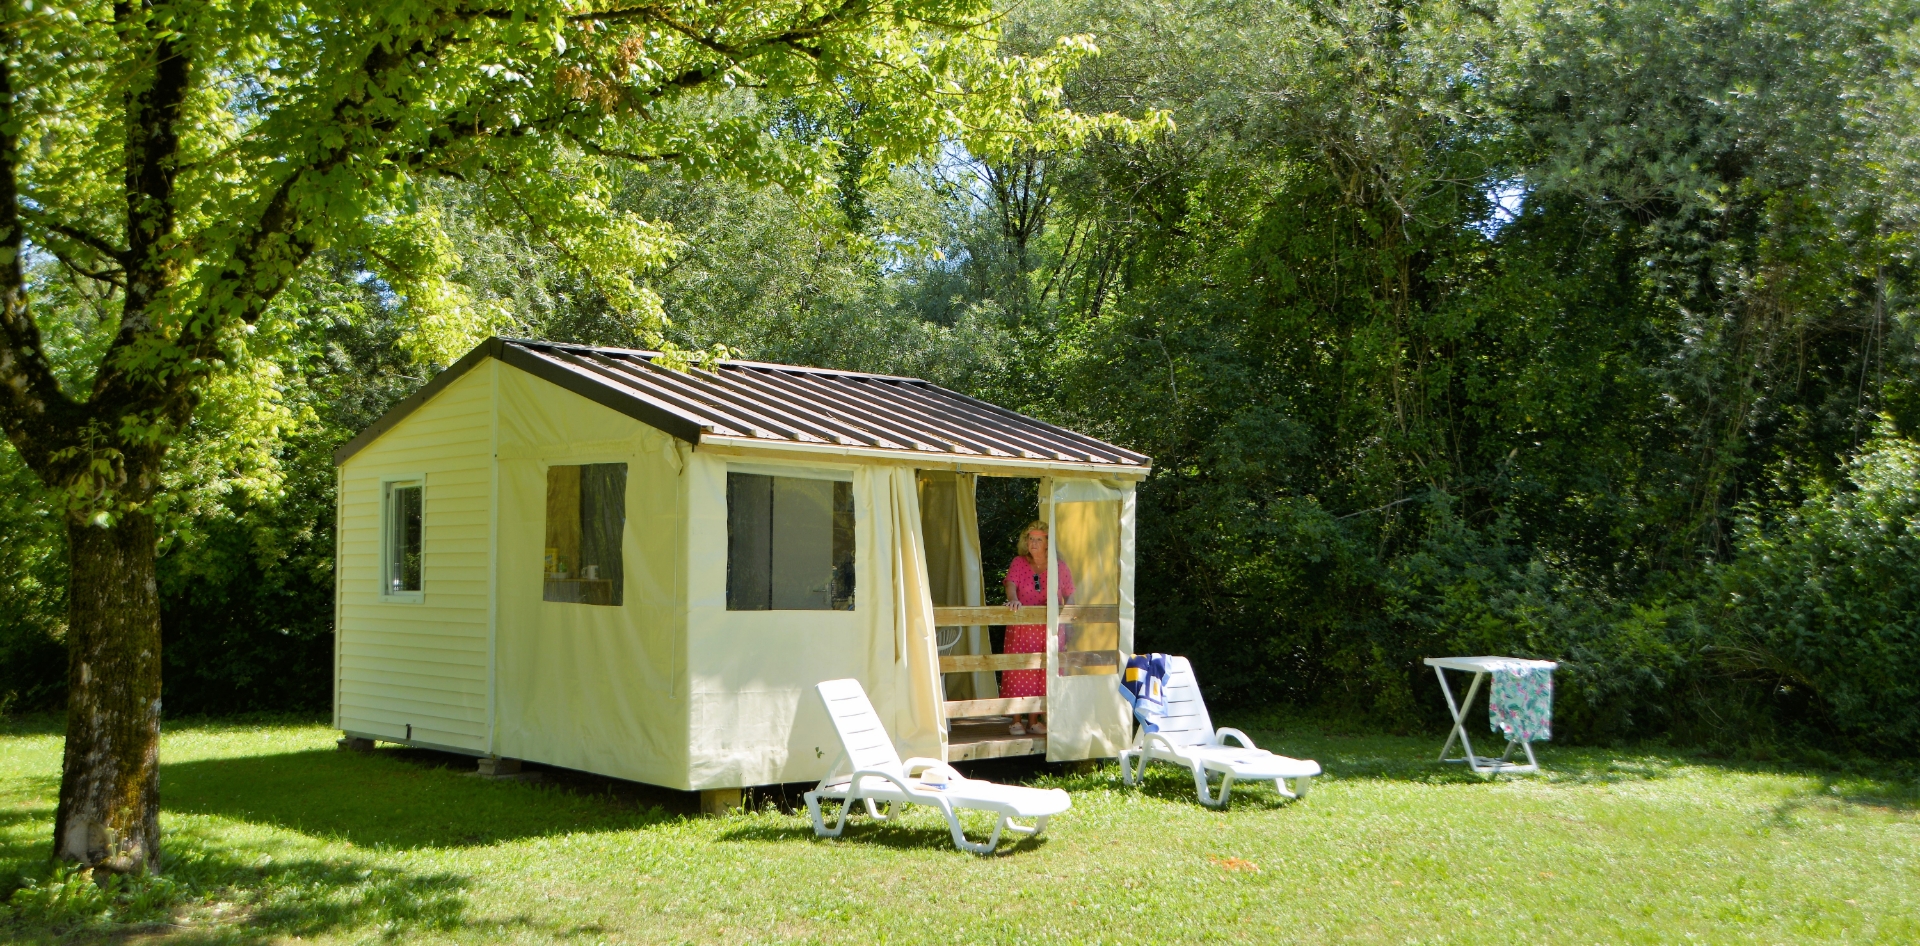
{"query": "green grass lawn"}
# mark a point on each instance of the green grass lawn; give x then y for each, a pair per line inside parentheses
(273, 835)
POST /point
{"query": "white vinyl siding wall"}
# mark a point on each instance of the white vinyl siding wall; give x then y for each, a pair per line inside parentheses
(421, 664)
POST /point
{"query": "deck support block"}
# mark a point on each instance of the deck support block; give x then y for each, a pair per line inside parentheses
(354, 744)
(719, 802)
(494, 766)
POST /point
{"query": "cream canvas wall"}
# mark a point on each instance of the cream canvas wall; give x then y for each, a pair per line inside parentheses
(401, 663)
(754, 717)
(591, 687)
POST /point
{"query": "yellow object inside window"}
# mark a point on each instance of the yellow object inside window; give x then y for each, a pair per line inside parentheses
(586, 521)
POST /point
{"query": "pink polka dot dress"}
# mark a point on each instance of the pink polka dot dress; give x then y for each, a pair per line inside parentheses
(1031, 588)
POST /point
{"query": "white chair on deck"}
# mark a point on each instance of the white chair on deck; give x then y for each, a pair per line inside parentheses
(879, 776)
(1187, 738)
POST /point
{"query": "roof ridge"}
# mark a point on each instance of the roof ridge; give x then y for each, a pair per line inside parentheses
(724, 362)
(761, 402)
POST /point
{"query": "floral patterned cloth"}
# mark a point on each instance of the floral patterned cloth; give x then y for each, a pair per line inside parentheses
(1520, 703)
(1031, 588)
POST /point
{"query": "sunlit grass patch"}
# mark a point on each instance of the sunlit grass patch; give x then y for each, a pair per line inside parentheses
(271, 834)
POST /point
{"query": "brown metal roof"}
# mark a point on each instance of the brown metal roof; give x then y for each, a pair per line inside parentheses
(753, 403)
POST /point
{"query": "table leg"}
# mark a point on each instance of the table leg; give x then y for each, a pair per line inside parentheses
(1452, 708)
(1459, 710)
(1459, 716)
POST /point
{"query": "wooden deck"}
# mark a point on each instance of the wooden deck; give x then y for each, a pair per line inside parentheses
(986, 738)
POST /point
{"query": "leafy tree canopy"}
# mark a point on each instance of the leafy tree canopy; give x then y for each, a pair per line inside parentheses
(185, 158)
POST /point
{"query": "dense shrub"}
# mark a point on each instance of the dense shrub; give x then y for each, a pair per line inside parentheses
(1827, 599)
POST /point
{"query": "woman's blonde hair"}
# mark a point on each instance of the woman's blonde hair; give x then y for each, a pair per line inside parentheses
(1020, 544)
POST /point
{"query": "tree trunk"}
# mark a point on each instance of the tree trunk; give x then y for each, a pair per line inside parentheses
(109, 815)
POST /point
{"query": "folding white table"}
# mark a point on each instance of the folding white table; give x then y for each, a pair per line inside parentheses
(1480, 667)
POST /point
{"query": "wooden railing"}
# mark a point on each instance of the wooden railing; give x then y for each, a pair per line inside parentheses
(999, 614)
(969, 663)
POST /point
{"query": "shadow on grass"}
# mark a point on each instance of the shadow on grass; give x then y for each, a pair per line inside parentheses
(238, 887)
(301, 897)
(33, 724)
(23, 849)
(220, 892)
(1175, 785)
(1850, 793)
(914, 831)
(1864, 784)
(379, 800)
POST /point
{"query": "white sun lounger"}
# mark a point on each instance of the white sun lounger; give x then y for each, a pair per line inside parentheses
(879, 776)
(1187, 738)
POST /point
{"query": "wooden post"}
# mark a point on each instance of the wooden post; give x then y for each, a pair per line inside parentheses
(719, 802)
(354, 744)
(495, 766)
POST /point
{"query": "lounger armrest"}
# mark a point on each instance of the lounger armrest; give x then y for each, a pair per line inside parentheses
(854, 783)
(1228, 732)
(1153, 737)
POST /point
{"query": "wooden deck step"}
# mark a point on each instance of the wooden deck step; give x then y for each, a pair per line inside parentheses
(997, 748)
(1000, 707)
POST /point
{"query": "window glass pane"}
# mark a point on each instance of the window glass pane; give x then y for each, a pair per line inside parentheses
(586, 519)
(802, 544)
(789, 543)
(749, 542)
(403, 539)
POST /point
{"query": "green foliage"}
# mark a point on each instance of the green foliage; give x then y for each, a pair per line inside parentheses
(1464, 329)
(71, 897)
(185, 159)
(1826, 598)
(1555, 329)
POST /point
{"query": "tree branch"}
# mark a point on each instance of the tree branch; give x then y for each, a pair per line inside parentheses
(112, 276)
(626, 155)
(33, 408)
(80, 235)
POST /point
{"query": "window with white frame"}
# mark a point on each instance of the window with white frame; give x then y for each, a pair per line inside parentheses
(404, 509)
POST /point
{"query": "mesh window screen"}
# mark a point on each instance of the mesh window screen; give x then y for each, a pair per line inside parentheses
(1087, 539)
(789, 544)
(586, 518)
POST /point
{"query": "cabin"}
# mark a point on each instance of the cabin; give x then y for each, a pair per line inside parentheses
(580, 557)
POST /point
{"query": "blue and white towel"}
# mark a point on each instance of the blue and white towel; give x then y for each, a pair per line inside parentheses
(1144, 685)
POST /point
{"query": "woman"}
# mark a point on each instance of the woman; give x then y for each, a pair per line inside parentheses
(1027, 585)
